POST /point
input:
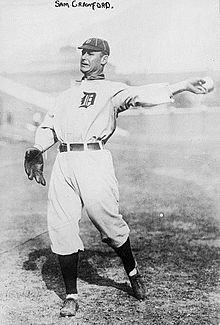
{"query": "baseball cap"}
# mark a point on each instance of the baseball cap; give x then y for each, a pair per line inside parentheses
(96, 44)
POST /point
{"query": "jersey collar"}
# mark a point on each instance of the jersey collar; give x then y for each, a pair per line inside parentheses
(93, 77)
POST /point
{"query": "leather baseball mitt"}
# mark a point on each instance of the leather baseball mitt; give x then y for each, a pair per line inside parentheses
(33, 165)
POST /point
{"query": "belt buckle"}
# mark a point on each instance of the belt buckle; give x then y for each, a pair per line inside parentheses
(68, 146)
(100, 145)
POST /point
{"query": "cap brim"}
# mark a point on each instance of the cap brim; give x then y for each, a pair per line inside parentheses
(89, 47)
(92, 48)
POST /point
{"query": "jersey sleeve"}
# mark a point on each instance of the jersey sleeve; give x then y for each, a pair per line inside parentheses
(143, 96)
(45, 135)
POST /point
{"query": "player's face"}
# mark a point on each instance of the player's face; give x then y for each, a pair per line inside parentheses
(92, 62)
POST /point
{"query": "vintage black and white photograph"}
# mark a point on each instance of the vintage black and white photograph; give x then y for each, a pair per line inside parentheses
(110, 162)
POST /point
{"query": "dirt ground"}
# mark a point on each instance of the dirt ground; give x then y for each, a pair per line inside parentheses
(178, 253)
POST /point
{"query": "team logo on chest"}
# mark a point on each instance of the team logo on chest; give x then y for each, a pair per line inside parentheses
(87, 100)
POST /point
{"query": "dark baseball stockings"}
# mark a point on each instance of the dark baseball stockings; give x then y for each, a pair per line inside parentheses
(69, 266)
(125, 253)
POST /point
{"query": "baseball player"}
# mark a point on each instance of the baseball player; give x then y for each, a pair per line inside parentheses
(83, 176)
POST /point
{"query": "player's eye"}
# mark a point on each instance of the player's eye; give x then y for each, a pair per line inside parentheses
(88, 52)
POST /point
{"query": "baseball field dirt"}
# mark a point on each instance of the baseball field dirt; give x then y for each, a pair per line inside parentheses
(170, 197)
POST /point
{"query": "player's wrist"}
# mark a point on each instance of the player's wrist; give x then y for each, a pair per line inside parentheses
(37, 146)
(178, 87)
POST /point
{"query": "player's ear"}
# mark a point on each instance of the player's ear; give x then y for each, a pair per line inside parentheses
(104, 59)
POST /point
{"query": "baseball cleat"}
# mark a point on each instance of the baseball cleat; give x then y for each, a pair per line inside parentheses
(69, 308)
(138, 286)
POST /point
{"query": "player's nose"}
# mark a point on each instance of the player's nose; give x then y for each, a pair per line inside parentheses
(84, 55)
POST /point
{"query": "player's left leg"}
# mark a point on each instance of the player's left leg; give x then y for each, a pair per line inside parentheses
(99, 191)
(130, 265)
(101, 199)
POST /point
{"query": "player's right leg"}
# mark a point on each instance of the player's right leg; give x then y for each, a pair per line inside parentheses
(69, 266)
(64, 210)
(64, 213)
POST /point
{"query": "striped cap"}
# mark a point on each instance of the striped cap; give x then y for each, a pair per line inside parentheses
(97, 45)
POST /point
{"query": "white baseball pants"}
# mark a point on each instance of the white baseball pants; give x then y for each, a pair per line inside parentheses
(84, 179)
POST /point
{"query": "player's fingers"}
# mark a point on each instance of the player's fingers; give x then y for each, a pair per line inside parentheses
(43, 181)
(39, 178)
(27, 171)
(198, 90)
(202, 89)
(27, 167)
(201, 81)
(31, 174)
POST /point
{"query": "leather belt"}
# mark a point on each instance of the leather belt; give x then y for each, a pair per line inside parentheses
(64, 147)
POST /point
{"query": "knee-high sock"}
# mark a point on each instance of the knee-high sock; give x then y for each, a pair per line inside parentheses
(125, 253)
(69, 265)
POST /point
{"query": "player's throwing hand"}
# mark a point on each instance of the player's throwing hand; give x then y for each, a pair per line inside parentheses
(200, 85)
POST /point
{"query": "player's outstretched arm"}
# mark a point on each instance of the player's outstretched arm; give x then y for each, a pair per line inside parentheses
(197, 86)
(148, 96)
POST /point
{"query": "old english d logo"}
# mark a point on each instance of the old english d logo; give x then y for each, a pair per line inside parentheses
(88, 99)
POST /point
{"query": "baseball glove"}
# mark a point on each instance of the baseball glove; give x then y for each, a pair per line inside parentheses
(33, 165)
